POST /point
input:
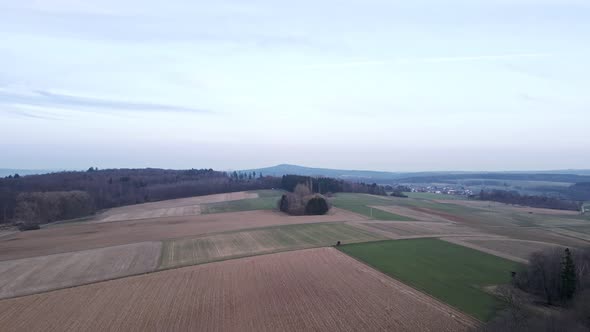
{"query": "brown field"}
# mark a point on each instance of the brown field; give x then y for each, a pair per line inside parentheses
(315, 289)
(516, 250)
(411, 213)
(422, 229)
(38, 274)
(169, 208)
(506, 207)
(83, 236)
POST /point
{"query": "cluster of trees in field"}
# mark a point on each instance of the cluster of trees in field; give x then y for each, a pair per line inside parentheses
(323, 185)
(557, 278)
(56, 196)
(513, 197)
(303, 202)
(398, 190)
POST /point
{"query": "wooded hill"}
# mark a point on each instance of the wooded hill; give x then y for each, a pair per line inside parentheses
(65, 195)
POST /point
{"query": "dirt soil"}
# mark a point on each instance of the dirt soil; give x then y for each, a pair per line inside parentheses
(307, 290)
(169, 208)
(83, 236)
(38, 274)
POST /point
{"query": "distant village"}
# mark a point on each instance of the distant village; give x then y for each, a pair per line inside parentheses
(444, 190)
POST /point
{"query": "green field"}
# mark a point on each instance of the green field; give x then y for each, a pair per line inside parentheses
(452, 273)
(181, 252)
(360, 203)
(267, 200)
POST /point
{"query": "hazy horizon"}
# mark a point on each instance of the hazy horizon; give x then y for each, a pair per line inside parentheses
(375, 85)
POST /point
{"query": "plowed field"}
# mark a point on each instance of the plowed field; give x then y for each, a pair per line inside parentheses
(315, 289)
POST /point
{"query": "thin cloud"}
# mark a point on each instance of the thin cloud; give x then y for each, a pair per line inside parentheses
(402, 61)
(41, 98)
(26, 114)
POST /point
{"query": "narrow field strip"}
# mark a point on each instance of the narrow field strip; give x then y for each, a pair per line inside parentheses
(420, 228)
(515, 250)
(410, 213)
(199, 250)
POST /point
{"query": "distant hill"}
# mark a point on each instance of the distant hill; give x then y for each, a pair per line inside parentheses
(11, 171)
(540, 177)
(284, 169)
(356, 175)
(424, 177)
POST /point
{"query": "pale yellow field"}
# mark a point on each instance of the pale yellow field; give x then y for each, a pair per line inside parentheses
(169, 208)
(38, 274)
(411, 213)
(306, 290)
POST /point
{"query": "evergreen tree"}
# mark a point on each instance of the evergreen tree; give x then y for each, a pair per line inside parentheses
(568, 276)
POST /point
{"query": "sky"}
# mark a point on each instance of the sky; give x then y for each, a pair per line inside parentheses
(360, 84)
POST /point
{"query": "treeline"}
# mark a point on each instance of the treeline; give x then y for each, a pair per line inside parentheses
(44, 207)
(65, 195)
(448, 178)
(513, 197)
(558, 279)
(324, 185)
(579, 191)
(55, 196)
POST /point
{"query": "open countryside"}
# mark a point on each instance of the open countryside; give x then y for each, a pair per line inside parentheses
(372, 262)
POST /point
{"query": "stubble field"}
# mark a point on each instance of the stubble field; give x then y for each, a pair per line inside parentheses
(38, 274)
(410, 213)
(423, 229)
(169, 208)
(190, 251)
